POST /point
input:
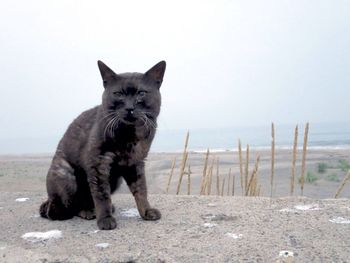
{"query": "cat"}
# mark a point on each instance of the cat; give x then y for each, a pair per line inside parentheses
(104, 145)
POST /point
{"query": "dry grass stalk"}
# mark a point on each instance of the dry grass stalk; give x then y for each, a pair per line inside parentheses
(217, 177)
(302, 177)
(253, 179)
(202, 189)
(253, 187)
(223, 186)
(233, 184)
(295, 149)
(249, 185)
(341, 186)
(246, 169)
(206, 182)
(229, 182)
(272, 157)
(171, 174)
(183, 163)
(240, 163)
(182, 172)
(209, 177)
(189, 180)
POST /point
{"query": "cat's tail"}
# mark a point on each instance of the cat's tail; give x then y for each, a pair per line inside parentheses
(55, 210)
(43, 210)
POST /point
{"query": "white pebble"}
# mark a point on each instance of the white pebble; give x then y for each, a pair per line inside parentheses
(42, 236)
(102, 245)
(23, 199)
(307, 207)
(234, 236)
(35, 216)
(209, 225)
(286, 254)
(132, 212)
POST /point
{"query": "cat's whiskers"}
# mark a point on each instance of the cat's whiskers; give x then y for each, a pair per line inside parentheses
(147, 122)
(109, 124)
(114, 125)
(110, 114)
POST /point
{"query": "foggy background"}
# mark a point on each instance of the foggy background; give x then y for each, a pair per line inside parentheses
(229, 63)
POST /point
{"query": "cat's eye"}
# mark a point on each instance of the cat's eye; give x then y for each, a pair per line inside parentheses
(142, 93)
(118, 94)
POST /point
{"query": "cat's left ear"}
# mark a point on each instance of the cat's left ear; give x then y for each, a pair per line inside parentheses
(156, 73)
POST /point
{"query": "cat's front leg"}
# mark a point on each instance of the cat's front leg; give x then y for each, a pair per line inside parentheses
(136, 180)
(98, 178)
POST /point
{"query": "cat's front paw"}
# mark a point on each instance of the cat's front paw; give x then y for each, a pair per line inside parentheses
(107, 223)
(152, 214)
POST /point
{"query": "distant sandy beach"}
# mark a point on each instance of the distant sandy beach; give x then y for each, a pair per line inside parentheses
(28, 172)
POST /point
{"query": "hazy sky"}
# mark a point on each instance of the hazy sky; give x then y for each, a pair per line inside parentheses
(229, 63)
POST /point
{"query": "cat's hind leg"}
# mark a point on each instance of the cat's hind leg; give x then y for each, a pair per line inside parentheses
(61, 188)
(87, 214)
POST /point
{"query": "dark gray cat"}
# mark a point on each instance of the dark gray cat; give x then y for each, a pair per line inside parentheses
(104, 145)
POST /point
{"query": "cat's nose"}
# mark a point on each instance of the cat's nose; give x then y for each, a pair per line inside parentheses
(130, 111)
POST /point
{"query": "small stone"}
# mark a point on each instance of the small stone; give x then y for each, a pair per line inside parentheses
(286, 254)
(102, 245)
(22, 199)
(234, 236)
(209, 225)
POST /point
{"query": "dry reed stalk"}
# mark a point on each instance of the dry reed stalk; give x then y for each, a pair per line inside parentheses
(202, 189)
(229, 182)
(246, 169)
(217, 185)
(223, 186)
(295, 149)
(171, 174)
(248, 190)
(182, 172)
(183, 163)
(252, 187)
(240, 163)
(252, 180)
(206, 182)
(189, 180)
(302, 177)
(341, 186)
(272, 156)
(217, 177)
(210, 175)
(254, 184)
(233, 184)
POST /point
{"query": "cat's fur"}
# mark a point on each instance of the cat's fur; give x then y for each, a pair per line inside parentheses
(104, 145)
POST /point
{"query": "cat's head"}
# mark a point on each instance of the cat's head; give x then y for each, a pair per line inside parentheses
(133, 98)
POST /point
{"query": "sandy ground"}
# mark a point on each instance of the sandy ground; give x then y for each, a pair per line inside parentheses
(192, 229)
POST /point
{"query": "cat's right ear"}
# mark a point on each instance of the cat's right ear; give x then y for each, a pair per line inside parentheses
(107, 74)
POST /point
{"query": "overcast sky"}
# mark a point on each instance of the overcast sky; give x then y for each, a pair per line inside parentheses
(229, 63)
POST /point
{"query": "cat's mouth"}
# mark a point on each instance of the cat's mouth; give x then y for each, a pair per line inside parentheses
(130, 118)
